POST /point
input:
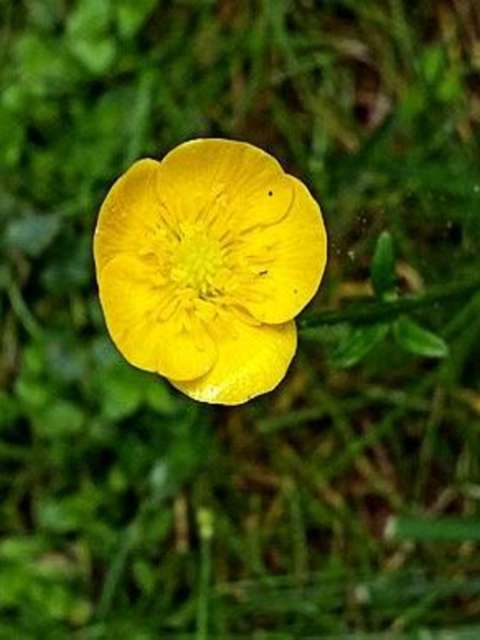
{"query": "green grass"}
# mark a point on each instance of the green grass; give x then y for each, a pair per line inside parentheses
(344, 504)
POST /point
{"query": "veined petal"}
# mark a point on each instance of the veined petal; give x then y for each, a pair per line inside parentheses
(128, 214)
(185, 354)
(284, 263)
(251, 360)
(226, 183)
(132, 303)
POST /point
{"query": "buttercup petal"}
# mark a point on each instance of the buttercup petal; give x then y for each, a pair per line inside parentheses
(239, 184)
(251, 360)
(132, 302)
(285, 262)
(203, 260)
(130, 209)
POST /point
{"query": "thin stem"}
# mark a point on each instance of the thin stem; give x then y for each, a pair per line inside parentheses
(22, 311)
(116, 569)
(205, 524)
(126, 544)
(383, 311)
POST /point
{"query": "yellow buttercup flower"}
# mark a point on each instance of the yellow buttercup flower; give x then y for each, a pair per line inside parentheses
(202, 261)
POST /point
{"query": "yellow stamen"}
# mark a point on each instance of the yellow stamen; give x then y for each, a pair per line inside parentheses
(197, 262)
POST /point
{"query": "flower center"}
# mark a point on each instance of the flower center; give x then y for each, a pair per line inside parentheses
(197, 262)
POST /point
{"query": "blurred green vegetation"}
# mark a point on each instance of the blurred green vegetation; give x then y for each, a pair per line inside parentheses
(346, 503)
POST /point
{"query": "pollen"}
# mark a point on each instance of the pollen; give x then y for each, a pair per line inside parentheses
(198, 262)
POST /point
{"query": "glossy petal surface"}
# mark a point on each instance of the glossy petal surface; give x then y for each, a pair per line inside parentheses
(241, 185)
(251, 360)
(127, 214)
(285, 261)
(131, 300)
(203, 260)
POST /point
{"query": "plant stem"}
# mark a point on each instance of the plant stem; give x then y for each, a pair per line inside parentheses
(22, 311)
(445, 528)
(205, 524)
(383, 311)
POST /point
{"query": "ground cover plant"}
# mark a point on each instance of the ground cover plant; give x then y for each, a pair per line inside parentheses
(345, 503)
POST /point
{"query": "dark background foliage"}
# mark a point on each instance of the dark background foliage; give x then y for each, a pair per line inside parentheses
(347, 500)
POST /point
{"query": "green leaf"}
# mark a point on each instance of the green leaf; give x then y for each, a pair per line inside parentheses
(159, 398)
(120, 389)
(13, 136)
(383, 265)
(122, 393)
(34, 395)
(32, 233)
(96, 55)
(89, 18)
(443, 529)
(131, 14)
(60, 418)
(413, 338)
(21, 548)
(88, 35)
(67, 513)
(9, 409)
(433, 63)
(358, 345)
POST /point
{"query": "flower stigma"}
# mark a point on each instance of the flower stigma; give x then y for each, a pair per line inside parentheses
(197, 262)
